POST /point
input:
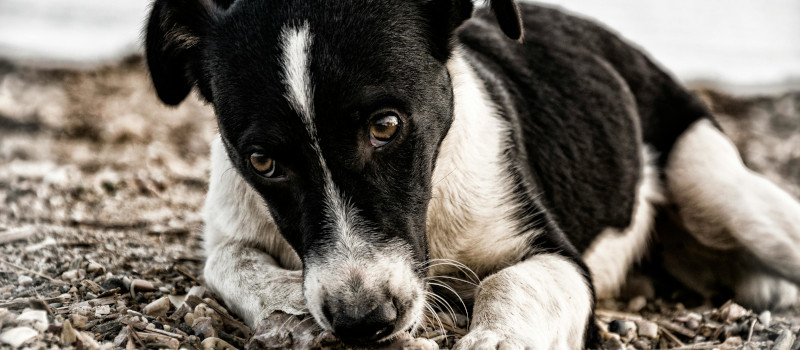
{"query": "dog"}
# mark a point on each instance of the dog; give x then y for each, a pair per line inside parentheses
(374, 155)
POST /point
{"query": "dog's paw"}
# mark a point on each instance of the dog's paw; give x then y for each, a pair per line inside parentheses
(285, 331)
(486, 339)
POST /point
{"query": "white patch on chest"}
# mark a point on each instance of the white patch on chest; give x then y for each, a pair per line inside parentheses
(470, 213)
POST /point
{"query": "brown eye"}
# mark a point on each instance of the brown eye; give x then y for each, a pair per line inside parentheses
(262, 164)
(383, 127)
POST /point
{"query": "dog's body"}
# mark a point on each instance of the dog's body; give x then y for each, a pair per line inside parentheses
(522, 162)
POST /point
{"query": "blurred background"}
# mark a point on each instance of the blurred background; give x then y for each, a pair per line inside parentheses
(744, 45)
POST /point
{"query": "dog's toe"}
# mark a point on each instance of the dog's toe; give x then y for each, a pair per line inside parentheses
(489, 340)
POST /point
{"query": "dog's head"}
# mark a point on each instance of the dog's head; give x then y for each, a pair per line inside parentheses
(333, 111)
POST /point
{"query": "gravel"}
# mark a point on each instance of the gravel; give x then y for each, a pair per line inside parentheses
(100, 237)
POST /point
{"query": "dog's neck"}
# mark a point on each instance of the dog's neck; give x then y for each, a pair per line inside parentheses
(472, 196)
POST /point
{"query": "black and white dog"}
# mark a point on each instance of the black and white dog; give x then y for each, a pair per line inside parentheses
(372, 152)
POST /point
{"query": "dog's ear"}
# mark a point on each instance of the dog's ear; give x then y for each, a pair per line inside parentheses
(456, 12)
(173, 37)
(507, 13)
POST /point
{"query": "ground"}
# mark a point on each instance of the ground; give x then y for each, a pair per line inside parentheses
(100, 237)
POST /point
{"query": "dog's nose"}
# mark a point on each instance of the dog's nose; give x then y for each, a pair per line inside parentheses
(371, 325)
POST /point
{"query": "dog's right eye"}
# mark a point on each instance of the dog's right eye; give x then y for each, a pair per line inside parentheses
(263, 165)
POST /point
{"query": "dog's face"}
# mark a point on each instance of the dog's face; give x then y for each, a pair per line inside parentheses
(333, 111)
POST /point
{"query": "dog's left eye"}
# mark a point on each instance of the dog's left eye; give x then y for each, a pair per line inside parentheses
(383, 127)
(263, 165)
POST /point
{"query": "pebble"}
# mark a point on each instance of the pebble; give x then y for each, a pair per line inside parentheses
(159, 307)
(73, 275)
(90, 296)
(141, 286)
(613, 344)
(68, 334)
(114, 282)
(37, 317)
(731, 312)
(216, 344)
(765, 318)
(102, 310)
(637, 304)
(176, 300)
(692, 324)
(17, 336)
(784, 340)
(647, 329)
(202, 326)
(23, 280)
(78, 321)
(641, 344)
(94, 267)
(197, 291)
(623, 328)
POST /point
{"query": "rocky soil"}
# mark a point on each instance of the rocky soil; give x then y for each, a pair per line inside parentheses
(100, 242)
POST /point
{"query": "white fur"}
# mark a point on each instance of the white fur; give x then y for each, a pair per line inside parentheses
(613, 252)
(296, 43)
(469, 216)
(540, 303)
(241, 240)
(722, 203)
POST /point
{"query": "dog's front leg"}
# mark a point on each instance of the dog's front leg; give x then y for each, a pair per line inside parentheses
(543, 302)
(266, 296)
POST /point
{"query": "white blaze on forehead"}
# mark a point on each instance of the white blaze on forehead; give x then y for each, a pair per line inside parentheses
(296, 44)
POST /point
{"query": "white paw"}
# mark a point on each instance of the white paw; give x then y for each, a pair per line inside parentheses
(285, 331)
(485, 339)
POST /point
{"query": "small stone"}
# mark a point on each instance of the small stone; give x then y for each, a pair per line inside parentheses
(692, 324)
(90, 296)
(203, 327)
(159, 307)
(613, 344)
(188, 318)
(176, 300)
(641, 344)
(784, 340)
(68, 334)
(731, 312)
(78, 321)
(71, 275)
(625, 329)
(216, 344)
(197, 291)
(647, 329)
(138, 285)
(94, 267)
(114, 282)
(17, 336)
(102, 310)
(38, 318)
(150, 327)
(765, 318)
(23, 280)
(637, 304)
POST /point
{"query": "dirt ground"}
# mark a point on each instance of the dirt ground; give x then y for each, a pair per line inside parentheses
(100, 237)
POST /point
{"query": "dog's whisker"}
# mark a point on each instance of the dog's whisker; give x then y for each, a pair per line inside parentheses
(445, 306)
(301, 322)
(454, 263)
(435, 316)
(435, 278)
(466, 311)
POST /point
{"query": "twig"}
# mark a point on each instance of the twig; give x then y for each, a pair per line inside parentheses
(676, 328)
(750, 335)
(609, 314)
(33, 272)
(698, 346)
(672, 337)
(15, 235)
(135, 336)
